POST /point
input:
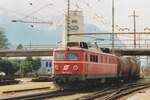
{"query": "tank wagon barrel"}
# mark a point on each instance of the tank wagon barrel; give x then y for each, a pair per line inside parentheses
(128, 67)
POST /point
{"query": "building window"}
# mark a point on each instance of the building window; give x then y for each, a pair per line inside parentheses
(74, 21)
(50, 64)
(75, 14)
(47, 64)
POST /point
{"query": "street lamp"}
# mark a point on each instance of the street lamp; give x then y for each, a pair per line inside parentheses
(124, 29)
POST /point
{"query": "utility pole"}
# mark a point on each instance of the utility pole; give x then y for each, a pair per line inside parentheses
(68, 22)
(134, 26)
(113, 11)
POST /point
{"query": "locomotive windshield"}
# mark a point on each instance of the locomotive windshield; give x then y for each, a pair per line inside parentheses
(60, 56)
(73, 56)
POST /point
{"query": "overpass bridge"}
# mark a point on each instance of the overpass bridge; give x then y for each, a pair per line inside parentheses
(133, 52)
(26, 52)
(49, 52)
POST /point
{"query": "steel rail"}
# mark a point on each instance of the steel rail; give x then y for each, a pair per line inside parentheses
(116, 92)
(41, 96)
(125, 91)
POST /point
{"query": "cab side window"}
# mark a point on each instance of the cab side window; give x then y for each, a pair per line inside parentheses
(93, 58)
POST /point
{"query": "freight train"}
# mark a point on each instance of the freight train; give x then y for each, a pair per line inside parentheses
(81, 62)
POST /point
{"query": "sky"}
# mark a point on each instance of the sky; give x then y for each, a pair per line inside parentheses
(97, 17)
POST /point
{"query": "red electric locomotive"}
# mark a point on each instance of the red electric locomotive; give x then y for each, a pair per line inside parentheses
(79, 62)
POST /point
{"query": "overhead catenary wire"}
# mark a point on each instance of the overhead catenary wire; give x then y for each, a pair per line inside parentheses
(99, 17)
(76, 1)
(106, 38)
(36, 11)
(94, 13)
(15, 12)
(59, 22)
(34, 19)
(30, 15)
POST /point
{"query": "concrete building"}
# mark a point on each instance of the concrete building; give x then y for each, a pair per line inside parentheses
(76, 24)
(46, 67)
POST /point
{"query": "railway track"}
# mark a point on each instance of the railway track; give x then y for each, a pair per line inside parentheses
(53, 94)
(116, 92)
(127, 90)
(40, 96)
(109, 93)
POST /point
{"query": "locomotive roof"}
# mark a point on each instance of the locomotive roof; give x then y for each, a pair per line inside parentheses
(88, 47)
(95, 50)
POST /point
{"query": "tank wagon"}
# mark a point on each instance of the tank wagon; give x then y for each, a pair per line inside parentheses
(80, 62)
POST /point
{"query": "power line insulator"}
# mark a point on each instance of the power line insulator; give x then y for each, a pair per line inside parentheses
(32, 25)
(31, 3)
(13, 20)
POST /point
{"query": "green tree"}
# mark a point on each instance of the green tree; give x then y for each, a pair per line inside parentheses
(26, 66)
(36, 64)
(30, 65)
(3, 39)
(15, 64)
(8, 67)
(20, 46)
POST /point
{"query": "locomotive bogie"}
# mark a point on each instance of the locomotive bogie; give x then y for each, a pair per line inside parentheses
(62, 78)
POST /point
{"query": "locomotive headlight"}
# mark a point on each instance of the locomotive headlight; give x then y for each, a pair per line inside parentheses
(56, 67)
(75, 67)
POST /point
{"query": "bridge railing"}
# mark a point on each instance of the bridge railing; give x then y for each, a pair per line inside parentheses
(33, 47)
(127, 46)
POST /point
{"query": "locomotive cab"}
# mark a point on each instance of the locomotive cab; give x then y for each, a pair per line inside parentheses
(68, 62)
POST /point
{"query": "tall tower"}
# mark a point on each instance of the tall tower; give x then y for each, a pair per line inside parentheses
(76, 25)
